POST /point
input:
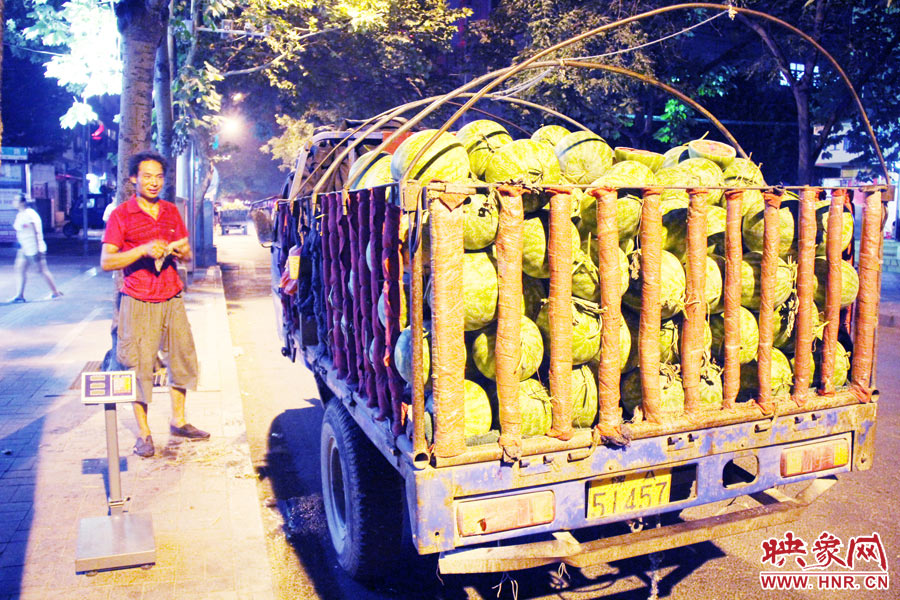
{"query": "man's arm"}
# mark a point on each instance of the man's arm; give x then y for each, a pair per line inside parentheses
(180, 249)
(111, 259)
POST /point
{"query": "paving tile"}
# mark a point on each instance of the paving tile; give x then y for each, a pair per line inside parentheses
(158, 591)
(13, 554)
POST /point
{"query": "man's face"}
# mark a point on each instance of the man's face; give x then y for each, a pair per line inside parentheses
(149, 181)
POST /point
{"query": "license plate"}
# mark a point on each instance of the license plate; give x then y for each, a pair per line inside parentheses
(628, 493)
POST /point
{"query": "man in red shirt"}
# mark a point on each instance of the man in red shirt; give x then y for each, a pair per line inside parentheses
(144, 237)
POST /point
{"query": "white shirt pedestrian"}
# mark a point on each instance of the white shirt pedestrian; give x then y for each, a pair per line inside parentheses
(30, 232)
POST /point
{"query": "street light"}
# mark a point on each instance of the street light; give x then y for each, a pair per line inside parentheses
(231, 126)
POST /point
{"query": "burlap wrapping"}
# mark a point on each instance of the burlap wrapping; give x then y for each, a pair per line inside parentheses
(803, 332)
(356, 350)
(560, 307)
(508, 347)
(348, 347)
(413, 201)
(833, 251)
(336, 291)
(731, 289)
(648, 335)
(328, 273)
(768, 270)
(370, 304)
(609, 371)
(695, 306)
(866, 320)
(448, 327)
(379, 338)
(393, 279)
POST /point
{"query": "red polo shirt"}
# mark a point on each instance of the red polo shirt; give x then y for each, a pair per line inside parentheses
(128, 227)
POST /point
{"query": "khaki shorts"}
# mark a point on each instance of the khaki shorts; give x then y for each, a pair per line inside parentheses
(149, 328)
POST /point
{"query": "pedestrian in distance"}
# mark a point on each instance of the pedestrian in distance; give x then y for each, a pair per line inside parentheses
(144, 237)
(32, 249)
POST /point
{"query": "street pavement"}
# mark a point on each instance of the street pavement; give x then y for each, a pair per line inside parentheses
(53, 468)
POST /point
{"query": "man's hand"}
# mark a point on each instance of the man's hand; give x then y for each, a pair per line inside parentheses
(155, 249)
(180, 249)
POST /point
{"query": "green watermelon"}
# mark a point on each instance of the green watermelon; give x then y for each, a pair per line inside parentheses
(671, 391)
(721, 154)
(535, 407)
(675, 230)
(628, 215)
(366, 162)
(743, 172)
(586, 329)
(478, 410)
(711, 393)
(705, 173)
(749, 336)
(675, 155)
(535, 258)
(822, 208)
(482, 218)
(750, 280)
(550, 134)
(849, 282)
(481, 139)
(583, 157)
(625, 347)
(526, 162)
(668, 341)
(674, 176)
(653, 160)
(586, 273)
(533, 291)
(672, 284)
(753, 227)
(584, 397)
(445, 160)
(782, 377)
(479, 290)
(785, 323)
(532, 350)
(403, 356)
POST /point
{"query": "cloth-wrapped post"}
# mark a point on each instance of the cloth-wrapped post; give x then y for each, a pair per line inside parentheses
(508, 347)
(834, 230)
(376, 215)
(731, 289)
(336, 291)
(348, 345)
(356, 300)
(364, 277)
(768, 270)
(327, 271)
(651, 313)
(560, 307)
(609, 372)
(448, 326)
(414, 237)
(393, 279)
(803, 361)
(867, 300)
(695, 307)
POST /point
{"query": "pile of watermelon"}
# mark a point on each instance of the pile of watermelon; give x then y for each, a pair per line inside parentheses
(484, 151)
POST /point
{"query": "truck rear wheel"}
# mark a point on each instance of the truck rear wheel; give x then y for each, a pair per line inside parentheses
(363, 498)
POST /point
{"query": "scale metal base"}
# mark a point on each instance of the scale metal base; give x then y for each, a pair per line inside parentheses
(115, 542)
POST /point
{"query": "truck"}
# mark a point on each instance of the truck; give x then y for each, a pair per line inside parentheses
(370, 285)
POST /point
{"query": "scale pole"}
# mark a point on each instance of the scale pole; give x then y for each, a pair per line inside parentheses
(116, 502)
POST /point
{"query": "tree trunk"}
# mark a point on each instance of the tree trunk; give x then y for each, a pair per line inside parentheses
(2, 8)
(141, 24)
(165, 118)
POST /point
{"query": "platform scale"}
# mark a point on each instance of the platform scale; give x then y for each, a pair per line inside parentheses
(119, 539)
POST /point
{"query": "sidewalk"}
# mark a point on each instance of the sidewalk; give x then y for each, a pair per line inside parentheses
(202, 495)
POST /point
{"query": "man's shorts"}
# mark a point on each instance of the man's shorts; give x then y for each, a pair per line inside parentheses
(148, 328)
(39, 260)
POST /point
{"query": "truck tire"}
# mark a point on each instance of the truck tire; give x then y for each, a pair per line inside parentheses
(70, 229)
(363, 499)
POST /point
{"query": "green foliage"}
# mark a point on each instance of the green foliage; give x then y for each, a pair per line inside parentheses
(285, 147)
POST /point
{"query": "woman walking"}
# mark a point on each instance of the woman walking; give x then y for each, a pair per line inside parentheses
(32, 249)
